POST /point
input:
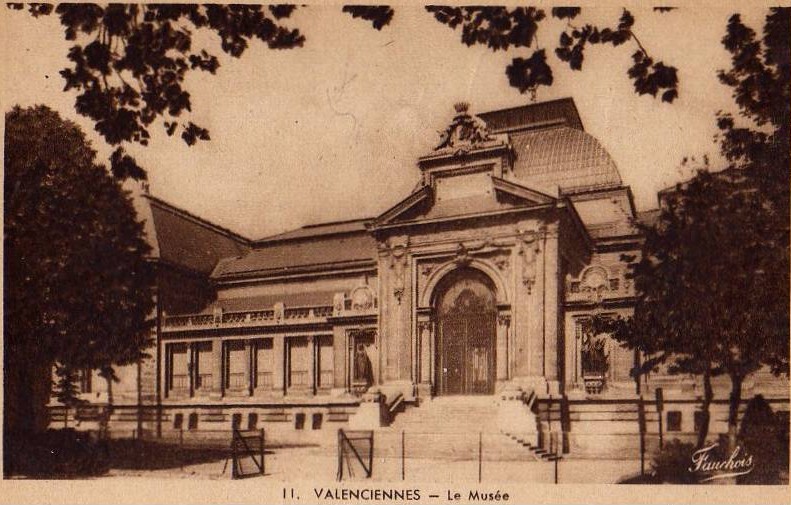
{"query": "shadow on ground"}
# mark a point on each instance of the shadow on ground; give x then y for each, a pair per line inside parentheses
(70, 454)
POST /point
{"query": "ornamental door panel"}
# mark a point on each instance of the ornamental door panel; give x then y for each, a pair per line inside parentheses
(480, 353)
(467, 328)
(453, 333)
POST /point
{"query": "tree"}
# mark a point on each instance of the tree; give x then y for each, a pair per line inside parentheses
(78, 287)
(129, 61)
(66, 391)
(713, 281)
(500, 28)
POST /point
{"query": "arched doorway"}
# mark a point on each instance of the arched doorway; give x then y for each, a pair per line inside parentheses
(466, 310)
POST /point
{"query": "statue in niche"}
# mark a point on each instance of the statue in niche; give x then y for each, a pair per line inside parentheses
(363, 371)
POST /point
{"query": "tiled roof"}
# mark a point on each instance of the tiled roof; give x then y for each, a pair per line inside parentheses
(533, 115)
(185, 240)
(282, 256)
(563, 157)
(316, 230)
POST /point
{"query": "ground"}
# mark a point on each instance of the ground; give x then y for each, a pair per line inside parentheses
(321, 463)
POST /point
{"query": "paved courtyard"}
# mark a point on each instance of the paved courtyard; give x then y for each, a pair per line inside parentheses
(321, 464)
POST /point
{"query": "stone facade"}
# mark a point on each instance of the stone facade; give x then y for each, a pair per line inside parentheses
(478, 282)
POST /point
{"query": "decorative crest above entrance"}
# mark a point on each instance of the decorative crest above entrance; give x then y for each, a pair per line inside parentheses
(465, 132)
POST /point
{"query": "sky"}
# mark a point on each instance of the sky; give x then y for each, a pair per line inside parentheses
(332, 130)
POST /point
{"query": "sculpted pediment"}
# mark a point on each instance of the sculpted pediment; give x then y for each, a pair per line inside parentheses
(491, 194)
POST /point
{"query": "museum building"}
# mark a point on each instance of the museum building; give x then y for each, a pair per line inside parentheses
(478, 283)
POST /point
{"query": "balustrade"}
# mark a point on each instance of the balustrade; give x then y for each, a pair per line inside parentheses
(180, 381)
(264, 380)
(237, 380)
(204, 381)
(292, 314)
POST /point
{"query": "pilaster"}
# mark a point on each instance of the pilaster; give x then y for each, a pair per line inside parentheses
(217, 368)
(279, 375)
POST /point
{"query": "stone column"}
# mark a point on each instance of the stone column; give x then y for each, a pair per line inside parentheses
(248, 366)
(551, 304)
(312, 364)
(279, 371)
(425, 331)
(502, 347)
(217, 368)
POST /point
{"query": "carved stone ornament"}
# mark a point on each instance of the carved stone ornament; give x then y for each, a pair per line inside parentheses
(504, 319)
(426, 270)
(528, 250)
(502, 263)
(594, 283)
(464, 132)
(362, 298)
(462, 256)
(338, 301)
(397, 263)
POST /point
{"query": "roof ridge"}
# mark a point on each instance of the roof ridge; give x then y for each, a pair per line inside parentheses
(196, 219)
(328, 223)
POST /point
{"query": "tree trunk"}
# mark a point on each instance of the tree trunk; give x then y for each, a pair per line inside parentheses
(733, 410)
(108, 410)
(708, 396)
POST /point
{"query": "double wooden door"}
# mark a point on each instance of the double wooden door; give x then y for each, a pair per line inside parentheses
(466, 351)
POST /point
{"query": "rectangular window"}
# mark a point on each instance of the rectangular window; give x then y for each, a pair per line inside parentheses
(264, 363)
(178, 367)
(326, 362)
(674, 420)
(299, 363)
(203, 366)
(698, 420)
(235, 365)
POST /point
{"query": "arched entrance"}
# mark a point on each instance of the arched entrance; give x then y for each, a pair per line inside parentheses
(466, 310)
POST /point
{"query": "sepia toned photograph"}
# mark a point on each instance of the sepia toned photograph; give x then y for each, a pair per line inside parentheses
(334, 253)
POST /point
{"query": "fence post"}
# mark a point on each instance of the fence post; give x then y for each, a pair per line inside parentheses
(641, 423)
(556, 468)
(660, 407)
(181, 448)
(403, 469)
(263, 452)
(371, 456)
(480, 455)
(340, 454)
(234, 455)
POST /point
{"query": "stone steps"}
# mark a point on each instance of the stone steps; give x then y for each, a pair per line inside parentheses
(452, 428)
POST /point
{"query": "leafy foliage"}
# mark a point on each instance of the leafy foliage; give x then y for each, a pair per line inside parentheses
(379, 15)
(79, 288)
(129, 62)
(500, 28)
(762, 436)
(671, 464)
(714, 274)
(66, 391)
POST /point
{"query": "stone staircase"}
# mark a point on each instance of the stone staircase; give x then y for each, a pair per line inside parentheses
(454, 428)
